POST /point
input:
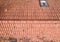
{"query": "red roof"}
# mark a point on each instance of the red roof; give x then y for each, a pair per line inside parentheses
(36, 31)
(29, 10)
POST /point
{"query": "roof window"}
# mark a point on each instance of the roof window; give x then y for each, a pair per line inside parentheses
(43, 3)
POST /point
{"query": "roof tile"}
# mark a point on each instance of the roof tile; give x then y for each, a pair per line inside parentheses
(30, 10)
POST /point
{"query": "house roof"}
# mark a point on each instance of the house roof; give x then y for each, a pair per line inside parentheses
(50, 30)
(29, 10)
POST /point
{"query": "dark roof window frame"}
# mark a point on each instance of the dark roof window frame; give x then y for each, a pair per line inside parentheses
(12, 40)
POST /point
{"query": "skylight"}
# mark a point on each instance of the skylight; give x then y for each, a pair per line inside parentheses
(12, 40)
(43, 3)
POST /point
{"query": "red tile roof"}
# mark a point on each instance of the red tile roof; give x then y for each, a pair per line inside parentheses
(31, 29)
(29, 10)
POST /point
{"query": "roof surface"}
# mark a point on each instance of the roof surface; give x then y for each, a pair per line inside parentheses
(29, 10)
(50, 30)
